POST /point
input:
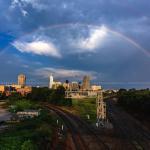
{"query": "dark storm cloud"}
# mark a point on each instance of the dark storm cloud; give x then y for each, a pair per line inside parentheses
(43, 13)
(80, 48)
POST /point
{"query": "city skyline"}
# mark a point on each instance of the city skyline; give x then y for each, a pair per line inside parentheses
(106, 85)
(107, 40)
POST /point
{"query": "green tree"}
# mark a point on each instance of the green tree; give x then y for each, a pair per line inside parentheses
(15, 96)
(28, 145)
(135, 100)
(23, 104)
(54, 96)
(10, 143)
(39, 94)
(2, 96)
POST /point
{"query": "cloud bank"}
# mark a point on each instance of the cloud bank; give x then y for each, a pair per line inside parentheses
(117, 57)
(37, 47)
(95, 39)
(63, 73)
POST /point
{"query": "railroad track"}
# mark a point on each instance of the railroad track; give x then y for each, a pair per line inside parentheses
(76, 137)
(128, 128)
(83, 136)
(91, 131)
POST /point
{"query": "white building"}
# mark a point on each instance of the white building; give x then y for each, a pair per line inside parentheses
(28, 113)
(96, 87)
(51, 81)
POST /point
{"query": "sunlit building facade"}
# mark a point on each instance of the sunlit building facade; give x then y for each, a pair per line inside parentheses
(96, 88)
(19, 88)
(56, 85)
(86, 83)
(51, 81)
(2, 88)
(22, 80)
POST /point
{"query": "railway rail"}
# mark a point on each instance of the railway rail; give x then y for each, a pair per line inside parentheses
(128, 128)
(83, 136)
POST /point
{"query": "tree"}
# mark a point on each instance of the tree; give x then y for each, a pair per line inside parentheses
(2, 96)
(10, 143)
(39, 94)
(54, 96)
(23, 104)
(15, 96)
(135, 100)
(122, 90)
(28, 145)
(57, 96)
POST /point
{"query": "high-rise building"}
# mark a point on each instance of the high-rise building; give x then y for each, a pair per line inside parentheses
(74, 86)
(86, 83)
(51, 81)
(21, 80)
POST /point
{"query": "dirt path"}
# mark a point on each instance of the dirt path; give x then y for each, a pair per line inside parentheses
(4, 114)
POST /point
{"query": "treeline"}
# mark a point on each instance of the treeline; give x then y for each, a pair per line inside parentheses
(135, 100)
(2, 96)
(44, 94)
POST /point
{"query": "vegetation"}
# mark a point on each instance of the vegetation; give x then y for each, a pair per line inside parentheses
(34, 133)
(28, 145)
(135, 100)
(20, 105)
(109, 94)
(86, 107)
(54, 96)
(29, 134)
(44, 94)
(83, 108)
(2, 96)
(39, 94)
(15, 96)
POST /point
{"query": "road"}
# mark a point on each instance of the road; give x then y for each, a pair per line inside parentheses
(83, 136)
(128, 129)
(4, 114)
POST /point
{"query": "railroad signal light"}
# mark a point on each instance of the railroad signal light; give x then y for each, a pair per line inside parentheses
(62, 127)
(57, 121)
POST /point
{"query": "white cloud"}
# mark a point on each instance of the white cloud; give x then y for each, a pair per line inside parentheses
(25, 66)
(94, 40)
(20, 4)
(36, 4)
(24, 12)
(40, 47)
(63, 73)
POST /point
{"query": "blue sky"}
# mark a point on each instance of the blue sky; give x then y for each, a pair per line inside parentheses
(106, 39)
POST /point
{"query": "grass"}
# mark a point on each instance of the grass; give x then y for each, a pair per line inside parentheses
(83, 107)
(20, 105)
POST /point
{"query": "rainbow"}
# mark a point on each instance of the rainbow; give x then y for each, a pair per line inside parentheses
(121, 35)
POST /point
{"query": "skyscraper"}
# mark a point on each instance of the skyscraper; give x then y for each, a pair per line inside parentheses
(74, 86)
(21, 80)
(86, 83)
(51, 81)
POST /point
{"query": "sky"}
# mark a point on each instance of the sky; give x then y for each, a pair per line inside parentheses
(106, 39)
